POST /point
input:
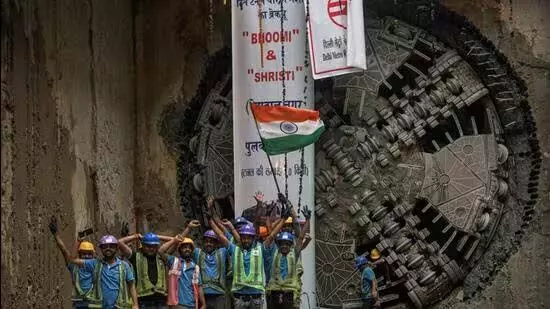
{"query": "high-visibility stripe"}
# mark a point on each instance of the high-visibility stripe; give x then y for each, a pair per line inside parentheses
(283, 113)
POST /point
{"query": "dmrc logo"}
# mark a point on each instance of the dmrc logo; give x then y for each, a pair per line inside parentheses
(337, 12)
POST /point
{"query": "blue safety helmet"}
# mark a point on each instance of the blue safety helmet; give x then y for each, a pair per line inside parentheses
(150, 239)
(360, 261)
(240, 221)
(285, 236)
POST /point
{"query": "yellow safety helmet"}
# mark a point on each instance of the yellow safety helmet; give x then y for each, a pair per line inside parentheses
(289, 220)
(86, 246)
(374, 254)
(187, 240)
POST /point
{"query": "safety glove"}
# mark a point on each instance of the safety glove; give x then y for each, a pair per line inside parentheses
(306, 212)
(53, 225)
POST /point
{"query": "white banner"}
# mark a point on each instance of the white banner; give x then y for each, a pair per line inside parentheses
(328, 38)
(262, 31)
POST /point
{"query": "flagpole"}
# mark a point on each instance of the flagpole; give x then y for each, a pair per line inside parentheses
(268, 157)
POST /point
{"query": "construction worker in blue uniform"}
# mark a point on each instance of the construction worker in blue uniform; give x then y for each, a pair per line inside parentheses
(149, 270)
(82, 280)
(247, 256)
(369, 290)
(212, 262)
(285, 269)
(115, 277)
(190, 293)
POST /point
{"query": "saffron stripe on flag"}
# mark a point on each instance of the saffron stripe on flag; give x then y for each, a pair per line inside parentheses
(283, 113)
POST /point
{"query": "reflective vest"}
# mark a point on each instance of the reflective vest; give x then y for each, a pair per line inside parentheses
(78, 294)
(292, 281)
(123, 300)
(144, 287)
(255, 278)
(218, 282)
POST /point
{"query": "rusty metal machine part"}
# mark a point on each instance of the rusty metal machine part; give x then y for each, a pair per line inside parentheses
(428, 154)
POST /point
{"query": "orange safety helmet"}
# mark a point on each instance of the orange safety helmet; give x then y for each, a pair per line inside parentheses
(263, 231)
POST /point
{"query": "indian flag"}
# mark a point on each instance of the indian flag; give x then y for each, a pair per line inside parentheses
(285, 129)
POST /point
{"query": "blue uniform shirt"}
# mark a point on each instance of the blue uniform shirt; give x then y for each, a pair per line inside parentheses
(110, 279)
(246, 258)
(211, 268)
(228, 235)
(186, 296)
(367, 278)
(270, 255)
(85, 277)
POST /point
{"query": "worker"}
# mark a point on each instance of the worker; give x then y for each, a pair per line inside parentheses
(380, 267)
(189, 286)
(116, 288)
(82, 280)
(149, 269)
(212, 262)
(247, 255)
(263, 233)
(369, 291)
(283, 288)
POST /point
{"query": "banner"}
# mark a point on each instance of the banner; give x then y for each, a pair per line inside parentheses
(271, 67)
(328, 38)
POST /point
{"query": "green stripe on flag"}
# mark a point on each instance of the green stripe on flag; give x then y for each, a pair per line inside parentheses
(275, 146)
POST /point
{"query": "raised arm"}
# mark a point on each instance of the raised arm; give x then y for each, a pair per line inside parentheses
(165, 238)
(259, 197)
(300, 241)
(130, 238)
(221, 235)
(228, 225)
(168, 246)
(59, 242)
(124, 248)
(306, 241)
(285, 213)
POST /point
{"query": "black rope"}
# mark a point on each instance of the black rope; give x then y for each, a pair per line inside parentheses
(283, 15)
(306, 66)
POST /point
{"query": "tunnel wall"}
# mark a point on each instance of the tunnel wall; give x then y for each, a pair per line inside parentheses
(68, 136)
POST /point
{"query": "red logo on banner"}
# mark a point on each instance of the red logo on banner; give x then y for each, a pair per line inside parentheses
(337, 11)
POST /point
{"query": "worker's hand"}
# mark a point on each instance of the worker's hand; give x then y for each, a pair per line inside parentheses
(179, 238)
(259, 197)
(53, 225)
(306, 212)
(227, 223)
(135, 306)
(138, 236)
(125, 230)
(210, 201)
(307, 236)
(194, 224)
